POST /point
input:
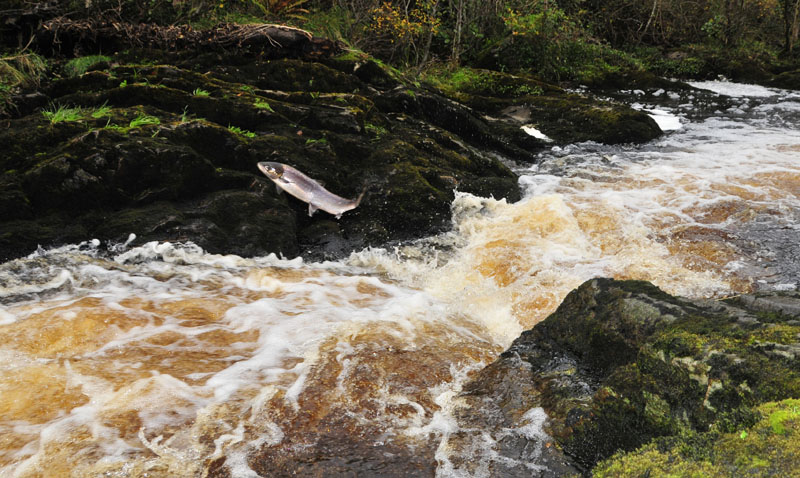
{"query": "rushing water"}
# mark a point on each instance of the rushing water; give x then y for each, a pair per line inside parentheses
(160, 360)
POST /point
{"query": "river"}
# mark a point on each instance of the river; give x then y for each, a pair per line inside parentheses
(162, 359)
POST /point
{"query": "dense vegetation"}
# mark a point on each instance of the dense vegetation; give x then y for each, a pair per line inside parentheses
(564, 39)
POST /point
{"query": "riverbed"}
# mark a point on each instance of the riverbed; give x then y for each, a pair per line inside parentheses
(165, 360)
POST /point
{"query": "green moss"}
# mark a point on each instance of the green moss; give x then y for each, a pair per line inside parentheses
(777, 333)
(375, 130)
(79, 66)
(263, 105)
(777, 418)
(769, 448)
(485, 83)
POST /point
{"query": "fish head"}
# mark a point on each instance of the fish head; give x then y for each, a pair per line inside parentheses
(272, 170)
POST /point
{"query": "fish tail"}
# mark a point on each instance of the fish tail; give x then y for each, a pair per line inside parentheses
(361, 196)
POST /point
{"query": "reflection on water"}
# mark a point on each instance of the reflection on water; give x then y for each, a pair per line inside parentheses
(163, 360)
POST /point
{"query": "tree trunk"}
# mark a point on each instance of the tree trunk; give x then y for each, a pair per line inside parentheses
(791, 23)
(457, 30)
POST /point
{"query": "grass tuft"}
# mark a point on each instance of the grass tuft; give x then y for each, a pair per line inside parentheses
(62, 114)
(101, 111)
(19, 71)
(144, 120)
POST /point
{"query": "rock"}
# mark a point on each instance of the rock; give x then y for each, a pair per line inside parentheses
(769, 448)
(508, 102)
(169, 153)
(186, 134)
(789, 80)
(621, 363)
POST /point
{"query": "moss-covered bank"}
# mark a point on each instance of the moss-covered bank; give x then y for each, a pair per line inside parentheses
(164, 146)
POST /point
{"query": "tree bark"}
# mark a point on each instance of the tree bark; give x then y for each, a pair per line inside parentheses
(791, 22)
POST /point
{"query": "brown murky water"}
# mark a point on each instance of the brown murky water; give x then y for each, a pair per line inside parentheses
(167, 361)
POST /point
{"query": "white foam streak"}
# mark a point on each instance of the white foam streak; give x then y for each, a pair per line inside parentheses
(665, 120)
(531, 130)
(6, 317)
(735, 89)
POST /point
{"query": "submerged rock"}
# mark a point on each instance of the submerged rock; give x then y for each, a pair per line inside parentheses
(621, 363)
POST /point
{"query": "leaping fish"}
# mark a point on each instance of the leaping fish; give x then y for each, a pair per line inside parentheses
(306, 189)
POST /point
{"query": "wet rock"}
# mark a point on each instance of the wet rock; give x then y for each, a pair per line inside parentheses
(789, 80)
(621, 363)
(767, 449)
(343, 456)
(179, 131)
(160, 151)
(627, 80)
(508, 102)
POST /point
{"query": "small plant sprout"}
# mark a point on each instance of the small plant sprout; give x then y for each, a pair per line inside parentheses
(263, 105)
(200, 92)
(312, 141)
(240, 131)
(374, 129)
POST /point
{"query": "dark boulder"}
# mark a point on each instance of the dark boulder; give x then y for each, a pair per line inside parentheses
(168, 153)
(621, 363)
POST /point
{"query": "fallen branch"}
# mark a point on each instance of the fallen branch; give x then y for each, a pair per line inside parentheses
(271, 41)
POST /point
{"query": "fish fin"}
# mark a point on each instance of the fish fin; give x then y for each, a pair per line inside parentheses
(278, 189)
(360, 197)
(311, 209)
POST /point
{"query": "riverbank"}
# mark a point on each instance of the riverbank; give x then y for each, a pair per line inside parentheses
(164, 145)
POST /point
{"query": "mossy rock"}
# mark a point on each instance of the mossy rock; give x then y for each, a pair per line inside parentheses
(146, 134)
(769, 448)
(789, 80)
(367, 69)
(515, 100)
(621, 363)
(490, 83)
(292, 75)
